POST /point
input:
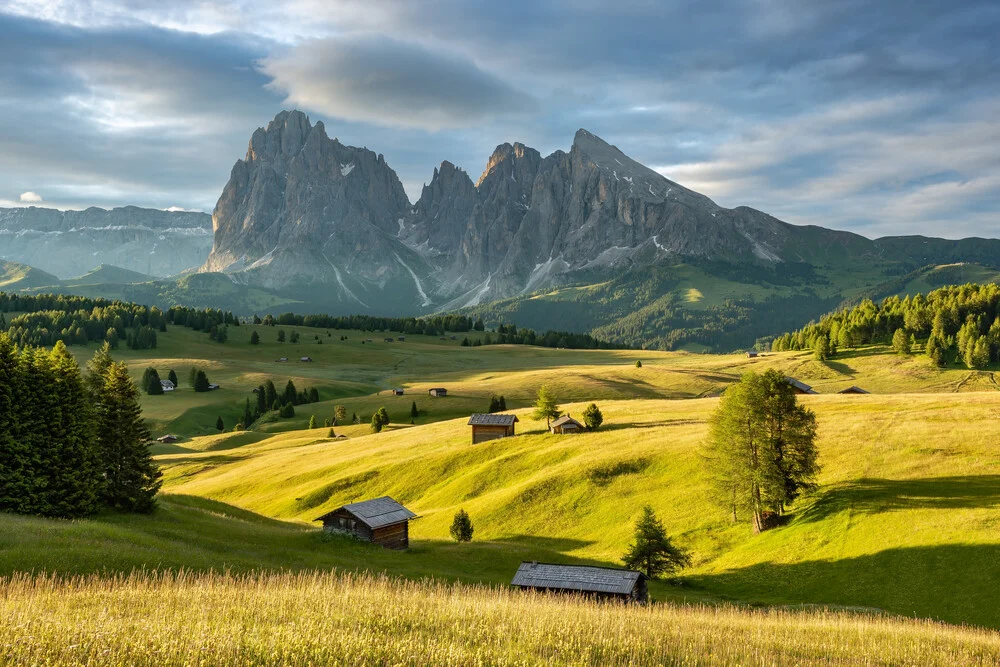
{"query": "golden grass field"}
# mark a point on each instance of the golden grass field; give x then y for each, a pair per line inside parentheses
(326, 618)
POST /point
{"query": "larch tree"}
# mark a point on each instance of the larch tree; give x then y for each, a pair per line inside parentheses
(761, 452)
(131, 477)
(546, 407)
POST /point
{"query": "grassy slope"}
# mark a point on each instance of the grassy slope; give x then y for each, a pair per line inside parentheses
(15, 276)
(359, 375)
(905, 520)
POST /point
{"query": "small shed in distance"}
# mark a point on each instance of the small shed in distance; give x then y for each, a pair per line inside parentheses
(168, 438)
(307, 359)
(167, 385)
(380, 520)
(438, 392)
(800, 387)
(600, 582)
(491, 426)
(853, 389)
(397, 391)
(752, 354)
(566, 424)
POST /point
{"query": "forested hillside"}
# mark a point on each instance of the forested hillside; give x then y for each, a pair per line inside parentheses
(956, 323)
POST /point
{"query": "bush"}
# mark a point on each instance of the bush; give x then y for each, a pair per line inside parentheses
(461, 527)
(638, 364)
(592, 417)
(287, 411)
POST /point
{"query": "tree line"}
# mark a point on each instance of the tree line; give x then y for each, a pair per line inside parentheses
(270, 400)
(42, 320)
(434, 325)
(71, 443)
(959, 323)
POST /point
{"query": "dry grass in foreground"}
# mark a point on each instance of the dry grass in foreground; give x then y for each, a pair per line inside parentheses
(325, 618)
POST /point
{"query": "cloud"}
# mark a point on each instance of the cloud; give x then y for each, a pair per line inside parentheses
(30, 197)
(377, 79)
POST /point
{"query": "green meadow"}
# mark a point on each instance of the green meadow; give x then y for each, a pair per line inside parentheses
(906, 521)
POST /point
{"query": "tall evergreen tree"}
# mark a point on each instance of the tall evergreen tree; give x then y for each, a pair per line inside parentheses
(414, 412)
(151, 382)
(254, 338)
(201, 383)
(270, 395)
(172, 376)
(291, 396)
(16, 470)
(219, 424)
(131, 477)
(383, 416)
(97, 368)
(73, 481)
(652, 552)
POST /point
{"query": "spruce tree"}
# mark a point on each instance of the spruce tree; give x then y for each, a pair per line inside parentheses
(312, 422)
(71, 468)
(172, 376)
(652, 552)
(461, 527)
(201, 381)
(16, 469)
(131, 477)
(593, 417)
(97, 368)
(254, 338)
(219, 424)
(383, 416)
(414, 413)
(270, 395)
(291, 396)
(152, 383)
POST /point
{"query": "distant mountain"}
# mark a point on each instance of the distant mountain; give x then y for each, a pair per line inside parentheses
(71, 243)
(588, 240)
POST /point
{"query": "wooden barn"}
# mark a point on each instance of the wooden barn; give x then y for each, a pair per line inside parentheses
(380, 520)
(800, 387)
(752, 354)
(438, 392)
(599, 582)
(566, 424)
(490, 427)
(397, 391)
(853, 389)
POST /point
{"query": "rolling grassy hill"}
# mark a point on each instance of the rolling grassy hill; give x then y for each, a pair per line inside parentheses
(905, 520)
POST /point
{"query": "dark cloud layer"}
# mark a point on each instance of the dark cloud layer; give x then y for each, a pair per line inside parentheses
(876, 117)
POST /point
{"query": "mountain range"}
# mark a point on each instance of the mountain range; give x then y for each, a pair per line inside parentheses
(585, 239)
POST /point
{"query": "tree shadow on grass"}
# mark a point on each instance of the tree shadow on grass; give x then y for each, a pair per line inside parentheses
(841, 368)
(946, 582)
(657, 424)
(873, 496)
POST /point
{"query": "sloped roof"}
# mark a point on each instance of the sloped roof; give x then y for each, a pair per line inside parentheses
(376, 512)
(853, 389)
(801, 386)
(566, 419)
(492, 420)
(581, 578)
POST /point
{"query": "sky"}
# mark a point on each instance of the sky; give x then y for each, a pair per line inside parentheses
(881, 118)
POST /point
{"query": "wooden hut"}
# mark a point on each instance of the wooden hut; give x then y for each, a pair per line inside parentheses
(599, 582)
(800, 387)
(490, 427)
(853, 389)
(752, 354)
(397, 391)
(438, 392)
(380, 520)
(566, 424)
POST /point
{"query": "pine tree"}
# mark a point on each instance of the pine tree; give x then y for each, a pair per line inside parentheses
(935, 350)
(312, 422)
(376, 426)
(414, 413)
(219, 424)
(270, 395)
(281, 335)
(290, 396)
(383, 416)
(151, 382)
(546, 407)
(355, 419)
(461, 527)
(131, 477)
(652, 552)
(254, 338)
(503, 403)
(821, 347)
(172, 376)
(287, 411)
(638, 364)
(340, 414)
